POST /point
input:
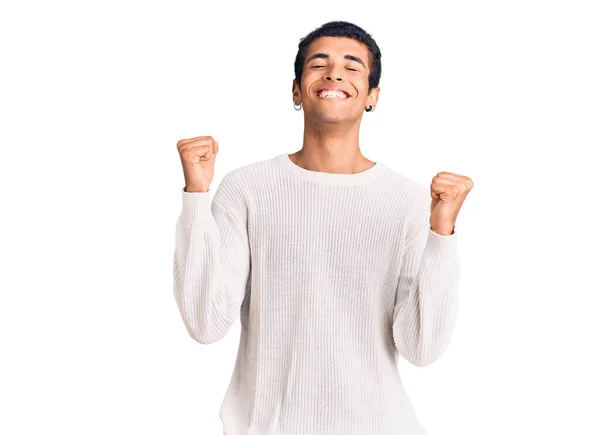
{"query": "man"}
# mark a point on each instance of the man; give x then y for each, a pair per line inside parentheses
(335, 264)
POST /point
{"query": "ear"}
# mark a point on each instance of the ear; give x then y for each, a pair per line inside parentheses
(296, 94)
(373, 97)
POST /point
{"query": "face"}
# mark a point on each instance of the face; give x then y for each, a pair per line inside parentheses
(335, 63)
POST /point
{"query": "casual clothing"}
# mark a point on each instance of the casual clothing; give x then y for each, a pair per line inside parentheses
(333, 276)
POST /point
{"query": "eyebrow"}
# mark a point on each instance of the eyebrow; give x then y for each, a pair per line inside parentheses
(326, 56)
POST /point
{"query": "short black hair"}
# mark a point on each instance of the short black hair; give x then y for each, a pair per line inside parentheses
(347, 30)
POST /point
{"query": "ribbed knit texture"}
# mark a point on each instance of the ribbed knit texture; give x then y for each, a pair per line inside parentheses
(333, 276)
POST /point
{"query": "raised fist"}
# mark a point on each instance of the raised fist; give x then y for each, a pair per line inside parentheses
(198, 156)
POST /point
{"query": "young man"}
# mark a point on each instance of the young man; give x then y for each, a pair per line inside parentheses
(335, 264)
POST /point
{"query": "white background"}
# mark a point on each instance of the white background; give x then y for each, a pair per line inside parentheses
(95, 96)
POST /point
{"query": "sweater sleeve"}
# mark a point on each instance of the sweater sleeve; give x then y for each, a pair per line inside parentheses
(211, 264)
(427, 292)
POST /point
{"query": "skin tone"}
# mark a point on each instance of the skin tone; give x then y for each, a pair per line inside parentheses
(331, 126)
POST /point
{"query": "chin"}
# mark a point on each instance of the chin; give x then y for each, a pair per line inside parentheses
(330, 117)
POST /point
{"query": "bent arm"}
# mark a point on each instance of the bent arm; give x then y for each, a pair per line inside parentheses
(211, 266)
(427, 294)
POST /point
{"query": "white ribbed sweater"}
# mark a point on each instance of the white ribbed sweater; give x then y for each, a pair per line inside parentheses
(332, 276)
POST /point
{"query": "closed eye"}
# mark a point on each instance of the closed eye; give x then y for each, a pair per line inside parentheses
(321, 66)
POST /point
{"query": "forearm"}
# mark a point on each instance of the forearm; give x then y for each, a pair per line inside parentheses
(209, 269)
(425, 314)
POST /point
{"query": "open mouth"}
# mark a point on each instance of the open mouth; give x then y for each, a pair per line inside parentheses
(332, 94)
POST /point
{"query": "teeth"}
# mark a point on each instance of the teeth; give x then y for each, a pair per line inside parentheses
(332, 94)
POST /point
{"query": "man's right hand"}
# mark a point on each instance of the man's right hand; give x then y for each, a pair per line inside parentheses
(198, 156)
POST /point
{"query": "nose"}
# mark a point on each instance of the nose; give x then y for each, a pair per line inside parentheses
(335, 73)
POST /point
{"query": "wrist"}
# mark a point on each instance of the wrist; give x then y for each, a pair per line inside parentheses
(443, 231)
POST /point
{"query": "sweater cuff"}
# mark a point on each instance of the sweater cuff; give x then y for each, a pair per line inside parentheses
(440, 248)
(195, 206)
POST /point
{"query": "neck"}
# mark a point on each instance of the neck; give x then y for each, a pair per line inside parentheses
(332, 148)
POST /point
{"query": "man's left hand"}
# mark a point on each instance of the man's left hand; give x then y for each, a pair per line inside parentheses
(448, 192)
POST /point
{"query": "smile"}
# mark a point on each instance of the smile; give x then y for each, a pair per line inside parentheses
(332, 94)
